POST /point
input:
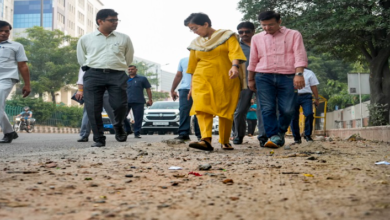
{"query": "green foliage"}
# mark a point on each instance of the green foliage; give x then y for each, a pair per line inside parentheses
(376, 114)
(47, 114)
(52, 59)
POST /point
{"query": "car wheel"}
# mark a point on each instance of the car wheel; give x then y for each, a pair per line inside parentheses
(161, 133)
(143, 132)
(150, 132)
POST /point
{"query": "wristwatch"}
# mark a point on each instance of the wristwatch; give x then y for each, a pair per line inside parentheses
(299, 74)
(236, 65)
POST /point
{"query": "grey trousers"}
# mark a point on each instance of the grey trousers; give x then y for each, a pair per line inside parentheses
(240, 115)
(6, 86)
(85, 129)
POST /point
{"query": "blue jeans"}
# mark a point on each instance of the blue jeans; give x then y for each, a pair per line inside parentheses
(304, 100)
(138, 112)
(272, 90)
(185, 118)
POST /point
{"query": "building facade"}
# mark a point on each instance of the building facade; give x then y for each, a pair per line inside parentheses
(73, 17)
(7, 10)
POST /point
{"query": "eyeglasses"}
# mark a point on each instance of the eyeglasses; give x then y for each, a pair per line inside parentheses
(113, 20)
(193, 29)
(246, 32)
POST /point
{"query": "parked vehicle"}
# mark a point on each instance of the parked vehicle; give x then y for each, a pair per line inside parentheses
(107, 124)
(161, 117)
(20, 125)
(215, 125)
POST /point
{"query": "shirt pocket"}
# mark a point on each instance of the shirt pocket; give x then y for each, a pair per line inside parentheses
(5, 53)
(117, 48)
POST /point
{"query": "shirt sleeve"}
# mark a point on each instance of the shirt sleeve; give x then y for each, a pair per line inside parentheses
(235, 50)
(81, 52)
(146, 83)
(20, 55)
(80, 79)
(253, 60)
(129, 53)
(299, 51)
(313, 81)
(180, 67)
(192, 62)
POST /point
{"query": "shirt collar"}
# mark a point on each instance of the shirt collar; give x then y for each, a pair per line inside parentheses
(281, 30)
(97, 33)
(241, 42)
(5, 42)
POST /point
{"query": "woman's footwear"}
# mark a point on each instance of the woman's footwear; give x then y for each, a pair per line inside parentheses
(203, 144)
(227, 146)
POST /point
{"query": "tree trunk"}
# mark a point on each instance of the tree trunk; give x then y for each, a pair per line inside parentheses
(380, 80)
(53, 97)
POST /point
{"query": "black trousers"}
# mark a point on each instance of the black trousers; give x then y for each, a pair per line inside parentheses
(95, 84)
(138, 112)
(251, 125)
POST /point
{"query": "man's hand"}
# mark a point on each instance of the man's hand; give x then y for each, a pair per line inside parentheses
(79, 95)
(174, 95)
(252, 85)
(233, 72)
(26, 90)
(299, 82)
(149, 103)
(316, 102)
(189, 94)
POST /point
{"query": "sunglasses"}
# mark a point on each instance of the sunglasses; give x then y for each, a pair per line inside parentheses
(246, 32)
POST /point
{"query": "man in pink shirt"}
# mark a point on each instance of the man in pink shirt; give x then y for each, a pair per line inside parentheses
(277, 60)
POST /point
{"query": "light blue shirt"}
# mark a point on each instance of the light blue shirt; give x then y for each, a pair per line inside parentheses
(11, 53)
(186, 79)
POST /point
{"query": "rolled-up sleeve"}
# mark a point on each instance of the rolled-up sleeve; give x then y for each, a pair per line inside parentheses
(81, 52)
(299, 51)
(253, 58)
(80, 79)
(129, 54)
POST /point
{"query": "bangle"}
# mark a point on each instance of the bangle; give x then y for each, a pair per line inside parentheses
(80, 90)
(236, 65)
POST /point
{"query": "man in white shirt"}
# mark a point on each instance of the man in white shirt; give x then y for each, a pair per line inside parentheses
(305, 100)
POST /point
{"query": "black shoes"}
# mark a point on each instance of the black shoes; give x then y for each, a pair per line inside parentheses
(297, 141)
(308, 138)
(83, 139)
(137, 136)
(183, 137)
(237, 140)
(129, 132)
(99, 142)
(120, 134)
(9, 137)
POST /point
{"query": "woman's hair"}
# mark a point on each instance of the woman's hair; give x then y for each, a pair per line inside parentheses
(268, 15)
(246, 24)
(197, 18)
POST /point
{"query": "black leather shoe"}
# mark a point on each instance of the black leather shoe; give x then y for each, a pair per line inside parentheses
(99, 144)
(237, 140)
(137, 136)
(9, 137)
(83, 139)
(308, 138)
(183, 137)
(120, 134)
(297, 141)
(130, 132)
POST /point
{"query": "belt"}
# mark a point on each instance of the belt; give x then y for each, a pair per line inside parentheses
(107, 70)
(307, 93)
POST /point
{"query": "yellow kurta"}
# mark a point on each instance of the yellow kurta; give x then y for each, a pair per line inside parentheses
(212, 90)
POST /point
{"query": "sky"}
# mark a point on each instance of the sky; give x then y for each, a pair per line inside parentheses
(156, 27)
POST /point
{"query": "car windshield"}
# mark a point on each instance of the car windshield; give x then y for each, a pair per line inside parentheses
(165, 105)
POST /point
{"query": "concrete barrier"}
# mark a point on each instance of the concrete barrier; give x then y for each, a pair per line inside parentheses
(58, 130)
(378, 133)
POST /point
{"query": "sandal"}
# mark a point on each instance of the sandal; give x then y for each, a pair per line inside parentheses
(202, 145)
(227, 146)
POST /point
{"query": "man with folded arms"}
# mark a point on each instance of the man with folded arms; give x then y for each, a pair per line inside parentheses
(278, 57)
(105, 55)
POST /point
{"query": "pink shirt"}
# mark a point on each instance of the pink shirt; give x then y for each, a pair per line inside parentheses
(281, 52)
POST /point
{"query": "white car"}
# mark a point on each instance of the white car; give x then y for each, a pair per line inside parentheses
(161, 117)
(216, 125)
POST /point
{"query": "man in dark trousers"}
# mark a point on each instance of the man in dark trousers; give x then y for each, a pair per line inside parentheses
(246, 30)
(105, 55)
(135, 97)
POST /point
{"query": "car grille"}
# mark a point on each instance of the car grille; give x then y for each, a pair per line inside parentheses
(106, 121)
(160, 118)
(167, 116)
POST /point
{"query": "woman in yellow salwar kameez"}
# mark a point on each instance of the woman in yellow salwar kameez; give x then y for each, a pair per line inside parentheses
(215, 58)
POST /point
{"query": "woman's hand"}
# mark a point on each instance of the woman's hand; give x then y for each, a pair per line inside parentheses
(233, 72)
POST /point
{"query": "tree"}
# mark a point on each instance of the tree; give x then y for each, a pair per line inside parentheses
(52, 60)
(352, 30)
(144, 70)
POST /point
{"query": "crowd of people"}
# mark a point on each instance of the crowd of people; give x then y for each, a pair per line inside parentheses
(221, 76)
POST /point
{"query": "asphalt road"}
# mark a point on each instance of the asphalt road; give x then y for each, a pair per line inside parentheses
(33, 143)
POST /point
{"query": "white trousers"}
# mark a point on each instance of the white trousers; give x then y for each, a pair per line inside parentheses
(6, 86)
